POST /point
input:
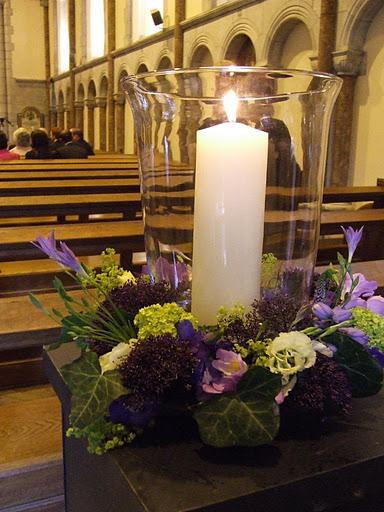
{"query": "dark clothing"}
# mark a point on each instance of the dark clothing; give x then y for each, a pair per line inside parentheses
(72, 150)
(86, 145)
(41, 153)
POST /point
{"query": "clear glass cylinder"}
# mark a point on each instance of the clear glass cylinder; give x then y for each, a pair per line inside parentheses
(211, 185)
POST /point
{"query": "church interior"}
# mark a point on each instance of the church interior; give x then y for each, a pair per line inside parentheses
(64, 65)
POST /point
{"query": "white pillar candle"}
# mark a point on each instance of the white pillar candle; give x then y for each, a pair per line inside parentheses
(231, 167)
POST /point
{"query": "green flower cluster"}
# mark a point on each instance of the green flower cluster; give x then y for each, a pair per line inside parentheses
(228, 316)
(269, 270)
(254, 352)
(157, 320)
(371, 324)
(111, 275)
(103, 435)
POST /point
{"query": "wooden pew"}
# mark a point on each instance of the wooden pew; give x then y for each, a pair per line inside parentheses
(68, 186)
(69, 174)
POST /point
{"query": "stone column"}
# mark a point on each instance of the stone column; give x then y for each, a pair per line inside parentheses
(72, 61)
(120, 121)
(3, 66)
(178, 33)
(111, 30)
(67, 117)
(91, 122)
(60, 117)
(47, 59)
(53, 117)
(79, 115)
(327, 35)
(101, 103)
(347, 65)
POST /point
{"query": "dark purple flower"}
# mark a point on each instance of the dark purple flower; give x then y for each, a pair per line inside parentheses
(196, 339)
(63, 256)
(356, 334)
(353, 238)
(378, 355)
(121, 411)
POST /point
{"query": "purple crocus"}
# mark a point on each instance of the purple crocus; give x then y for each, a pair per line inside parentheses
(376, 304)
(353, 238)
(63, 255)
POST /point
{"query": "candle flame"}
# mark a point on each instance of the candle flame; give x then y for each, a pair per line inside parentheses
(230, 105)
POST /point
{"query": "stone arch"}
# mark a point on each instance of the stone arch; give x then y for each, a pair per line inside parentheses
(357, 23)
(80, 92)
(282, 25)
(142, 68)
(123, 118)
(202, 41)
(241, 51)
(103, 86)
(275, 53)
(164, 63)
(202, 57)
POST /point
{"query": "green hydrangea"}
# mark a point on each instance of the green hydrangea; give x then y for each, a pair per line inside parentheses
(371, 324)
(228, 316)
(111, 275)
(157, 320)
(254, 352)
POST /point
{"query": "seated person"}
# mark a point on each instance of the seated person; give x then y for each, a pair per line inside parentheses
(22, 140)
(40, 146)
(5, 154)
(55, 143)
(70, 149)
(78, 137)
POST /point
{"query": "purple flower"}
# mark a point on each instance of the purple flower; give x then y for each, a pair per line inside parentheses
(121, 411)
(340, 314)
(378, 355)
(353, 238)
(63, 256)
(322, 311)
(175, 273)
(356, 334)
(364, 288)
(224, 373)
(376, 304)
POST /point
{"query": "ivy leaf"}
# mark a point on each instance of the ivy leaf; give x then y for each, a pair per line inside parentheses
(249, 417)
(92, 392)
(365, 375)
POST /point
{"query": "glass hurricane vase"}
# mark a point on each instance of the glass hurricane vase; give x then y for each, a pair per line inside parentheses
(223, 191)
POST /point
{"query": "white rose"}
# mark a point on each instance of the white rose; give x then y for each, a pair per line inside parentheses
(111, 360)
(291, 352)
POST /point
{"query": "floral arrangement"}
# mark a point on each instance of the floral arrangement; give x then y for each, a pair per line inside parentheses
(275, 367)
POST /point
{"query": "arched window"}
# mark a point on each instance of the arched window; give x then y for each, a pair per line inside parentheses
(95, 29)
(62, 36)
(143, 24)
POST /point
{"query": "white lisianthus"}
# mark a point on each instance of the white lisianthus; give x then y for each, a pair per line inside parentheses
(126, 277)
(111, 360)
(291, 352)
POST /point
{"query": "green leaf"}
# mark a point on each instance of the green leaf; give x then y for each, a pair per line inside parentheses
(365, 375)
(249, 417)
(37, 303)
(92, 392)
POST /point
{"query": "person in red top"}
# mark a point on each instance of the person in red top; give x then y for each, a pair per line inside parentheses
(4, 153)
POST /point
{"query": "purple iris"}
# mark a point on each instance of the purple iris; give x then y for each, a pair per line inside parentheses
(364, 288)
(356, 334)
(376, 304)
(63, 255)
(175, 273)
(353, 238)
(326, 314)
